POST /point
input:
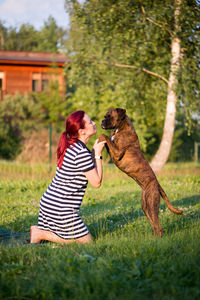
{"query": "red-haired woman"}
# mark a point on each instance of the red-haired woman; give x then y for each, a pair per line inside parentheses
(59, 220)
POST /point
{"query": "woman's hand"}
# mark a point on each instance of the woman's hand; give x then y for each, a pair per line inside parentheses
(98, 147)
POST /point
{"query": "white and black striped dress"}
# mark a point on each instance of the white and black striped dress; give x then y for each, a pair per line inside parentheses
(60, 203)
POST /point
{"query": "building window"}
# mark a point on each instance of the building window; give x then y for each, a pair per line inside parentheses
(35, 85)
(1, 80)
(36, 82)
(45, 84)
(1, 85)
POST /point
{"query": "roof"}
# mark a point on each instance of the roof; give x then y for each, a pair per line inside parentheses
(31, 58)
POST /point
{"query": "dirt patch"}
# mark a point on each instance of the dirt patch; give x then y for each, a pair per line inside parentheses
(36, 147)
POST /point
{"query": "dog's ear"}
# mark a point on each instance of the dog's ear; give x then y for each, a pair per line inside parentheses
(121, 113)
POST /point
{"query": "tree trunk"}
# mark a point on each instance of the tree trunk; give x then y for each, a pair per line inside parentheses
(163, 152)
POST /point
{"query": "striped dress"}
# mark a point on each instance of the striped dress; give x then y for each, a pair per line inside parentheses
(60, 203)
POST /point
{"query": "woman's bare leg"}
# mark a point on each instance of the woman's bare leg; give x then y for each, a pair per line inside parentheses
(85, 239)
(38, 235)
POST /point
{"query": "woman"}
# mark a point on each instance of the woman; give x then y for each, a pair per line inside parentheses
(58, 220)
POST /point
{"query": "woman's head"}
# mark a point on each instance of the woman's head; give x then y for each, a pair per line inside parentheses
(88, 130)
(77, 125)
(73, 123)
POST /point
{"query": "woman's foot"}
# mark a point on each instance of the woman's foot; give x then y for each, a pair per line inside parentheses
(35, 235)
(38, 235)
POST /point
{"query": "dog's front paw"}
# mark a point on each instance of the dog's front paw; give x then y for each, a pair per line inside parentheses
(102, 138)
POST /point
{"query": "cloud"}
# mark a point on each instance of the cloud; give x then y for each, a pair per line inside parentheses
(35, 12)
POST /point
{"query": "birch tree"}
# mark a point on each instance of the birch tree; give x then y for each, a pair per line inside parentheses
(163, 152)
(141, 55)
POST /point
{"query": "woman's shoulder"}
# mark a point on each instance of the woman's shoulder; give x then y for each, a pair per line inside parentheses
(81, 147)
(77, 148)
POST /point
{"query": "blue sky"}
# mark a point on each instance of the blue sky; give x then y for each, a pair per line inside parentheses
(34, 12)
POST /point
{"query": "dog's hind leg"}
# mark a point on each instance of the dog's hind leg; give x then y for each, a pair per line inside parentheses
(150, 206)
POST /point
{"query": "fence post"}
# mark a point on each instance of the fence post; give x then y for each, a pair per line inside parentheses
(196, 152)
(50, 143)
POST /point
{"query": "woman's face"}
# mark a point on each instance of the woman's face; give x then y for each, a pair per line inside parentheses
(89, 128)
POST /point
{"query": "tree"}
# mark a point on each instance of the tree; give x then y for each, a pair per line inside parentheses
(23, 39)
(3, 32)
(125, 53)
(53, 104)
(169, 126)
(51, 37)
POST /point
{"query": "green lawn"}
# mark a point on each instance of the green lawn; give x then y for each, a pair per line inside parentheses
(125, 261)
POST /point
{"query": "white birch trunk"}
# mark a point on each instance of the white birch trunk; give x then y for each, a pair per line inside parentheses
(163, 152)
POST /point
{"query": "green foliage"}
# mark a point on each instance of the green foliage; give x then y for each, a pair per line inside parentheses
(25, 39)
(51, 37)
(20, 115)
(116, 43)
(17, 116)
(52, 103)
(112, 45)
(125, 261)
(183, 142)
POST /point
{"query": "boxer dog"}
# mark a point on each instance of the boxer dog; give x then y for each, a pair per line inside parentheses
(124, 149)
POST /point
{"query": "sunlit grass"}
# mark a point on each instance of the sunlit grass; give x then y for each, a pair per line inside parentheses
(125, 261)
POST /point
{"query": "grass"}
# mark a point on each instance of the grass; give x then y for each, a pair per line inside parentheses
(125, 261)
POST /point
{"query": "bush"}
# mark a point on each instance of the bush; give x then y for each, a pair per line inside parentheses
(17, 116)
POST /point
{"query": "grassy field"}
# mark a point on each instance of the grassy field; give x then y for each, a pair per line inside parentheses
(125, 261)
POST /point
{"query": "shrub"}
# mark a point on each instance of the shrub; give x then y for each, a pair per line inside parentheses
(17, 115)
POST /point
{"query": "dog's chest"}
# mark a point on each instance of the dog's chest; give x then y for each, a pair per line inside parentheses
(113, 136)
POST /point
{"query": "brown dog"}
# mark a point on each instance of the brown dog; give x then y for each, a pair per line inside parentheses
(124, 149)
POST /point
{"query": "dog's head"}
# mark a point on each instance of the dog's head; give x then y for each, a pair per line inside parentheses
(113, 118)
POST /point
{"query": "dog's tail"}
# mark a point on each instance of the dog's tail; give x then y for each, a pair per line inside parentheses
(168, 203)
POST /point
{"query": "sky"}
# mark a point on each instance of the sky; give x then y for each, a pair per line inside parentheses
(35, 12)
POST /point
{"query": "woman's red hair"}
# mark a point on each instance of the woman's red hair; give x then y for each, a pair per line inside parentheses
(73, 123)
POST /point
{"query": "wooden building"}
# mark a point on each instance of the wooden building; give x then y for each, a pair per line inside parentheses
(30, 71)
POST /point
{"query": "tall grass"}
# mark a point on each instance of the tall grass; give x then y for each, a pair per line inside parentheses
(125, 261)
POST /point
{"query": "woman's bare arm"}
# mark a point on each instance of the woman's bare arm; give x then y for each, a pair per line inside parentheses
(95, 175)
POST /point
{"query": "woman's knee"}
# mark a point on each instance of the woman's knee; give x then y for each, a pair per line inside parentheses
(85, 239)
